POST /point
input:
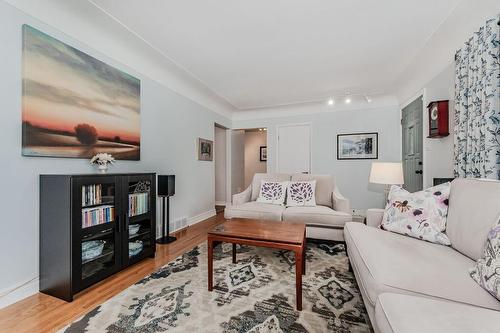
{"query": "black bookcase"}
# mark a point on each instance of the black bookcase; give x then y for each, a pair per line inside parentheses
(92, 226)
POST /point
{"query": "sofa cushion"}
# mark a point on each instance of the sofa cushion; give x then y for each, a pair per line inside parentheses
(486, 272)
(272, 192)
(270, 177)
(318, 215)
(324, 187)
(420, 214)
(255, 210)
(388, 262)
(301, 194)
(474, 209)
(411, 314)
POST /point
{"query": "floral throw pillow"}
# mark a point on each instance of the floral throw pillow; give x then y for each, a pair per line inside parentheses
(487, 270)
(420, 215)
(272, 192)
(301, 193)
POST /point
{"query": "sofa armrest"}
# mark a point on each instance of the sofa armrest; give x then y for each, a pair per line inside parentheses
(241, 198)
(340, 203)
(374, 217)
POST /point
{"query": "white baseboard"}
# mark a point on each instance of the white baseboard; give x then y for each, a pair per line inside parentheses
(201, 217)
(18, 293)
(220, 203)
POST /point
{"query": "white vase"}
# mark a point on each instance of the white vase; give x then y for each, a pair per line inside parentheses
(103, 168)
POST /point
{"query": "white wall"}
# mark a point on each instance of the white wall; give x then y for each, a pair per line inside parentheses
(351, 176)
(170, 126)
(438, 153)
(237, 161)
(253, 141)
(220, 165)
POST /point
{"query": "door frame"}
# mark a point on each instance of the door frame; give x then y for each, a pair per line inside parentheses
(309, 124)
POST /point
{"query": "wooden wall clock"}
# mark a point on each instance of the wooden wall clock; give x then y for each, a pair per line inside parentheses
(438, 119)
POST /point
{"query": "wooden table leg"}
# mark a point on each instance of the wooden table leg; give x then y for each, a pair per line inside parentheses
(304, 258)
(210, 264)
(234, 253)
(298, 278)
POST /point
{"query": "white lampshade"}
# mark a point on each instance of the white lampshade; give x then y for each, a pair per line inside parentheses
(387, 173)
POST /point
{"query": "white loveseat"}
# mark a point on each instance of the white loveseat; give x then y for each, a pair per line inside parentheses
(324, 221)
(409, 285)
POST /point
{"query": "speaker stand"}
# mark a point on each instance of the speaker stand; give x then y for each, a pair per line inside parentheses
(165, 239)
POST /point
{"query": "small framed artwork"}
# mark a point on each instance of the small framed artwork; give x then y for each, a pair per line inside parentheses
(205, 150)
(263, 153)
(357, 146)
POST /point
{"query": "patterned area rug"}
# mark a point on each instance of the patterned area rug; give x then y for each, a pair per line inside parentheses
(257, 294)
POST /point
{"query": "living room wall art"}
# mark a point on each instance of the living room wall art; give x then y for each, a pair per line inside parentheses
(205, 150)
(74, 105)
(357, 146)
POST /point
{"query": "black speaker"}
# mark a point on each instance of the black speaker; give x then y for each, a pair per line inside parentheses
(166, 185)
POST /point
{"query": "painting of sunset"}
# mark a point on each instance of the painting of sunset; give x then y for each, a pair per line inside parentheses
(75, 105)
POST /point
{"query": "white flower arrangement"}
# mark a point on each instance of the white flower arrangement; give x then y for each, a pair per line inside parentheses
(102, 159)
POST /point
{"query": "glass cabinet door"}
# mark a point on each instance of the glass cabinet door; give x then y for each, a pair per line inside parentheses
(139, 233)
(97, 247)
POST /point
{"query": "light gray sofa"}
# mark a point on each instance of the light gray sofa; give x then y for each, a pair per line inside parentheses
(324, 221)
(431, 282)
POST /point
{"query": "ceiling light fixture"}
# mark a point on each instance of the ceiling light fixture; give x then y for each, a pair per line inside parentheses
(368, 99)
(347, 99)
(331, 102)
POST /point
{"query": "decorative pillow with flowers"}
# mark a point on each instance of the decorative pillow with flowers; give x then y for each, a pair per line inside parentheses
(487, 269)
(301, 193)
(420, 215)
(272, 192)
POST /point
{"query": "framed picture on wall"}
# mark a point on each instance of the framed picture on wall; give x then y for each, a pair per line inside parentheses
(205, 150)
(263, 153)
(357, 146)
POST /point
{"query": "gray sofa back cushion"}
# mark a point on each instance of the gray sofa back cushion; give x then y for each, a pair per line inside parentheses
(474, 209)
(270, 177)
(324, 187)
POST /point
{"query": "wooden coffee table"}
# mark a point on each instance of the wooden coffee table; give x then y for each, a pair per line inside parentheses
(273, 234)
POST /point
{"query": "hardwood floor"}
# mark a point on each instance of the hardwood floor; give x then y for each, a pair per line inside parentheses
(43, 313)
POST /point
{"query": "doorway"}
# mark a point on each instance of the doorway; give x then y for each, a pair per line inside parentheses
(294, 148)
(412, 132)
(220, 161)
(248, 156)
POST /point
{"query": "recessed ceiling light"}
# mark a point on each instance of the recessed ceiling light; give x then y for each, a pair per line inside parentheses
(347, 100)
(331, 102)
(265, 129)
(368, 99)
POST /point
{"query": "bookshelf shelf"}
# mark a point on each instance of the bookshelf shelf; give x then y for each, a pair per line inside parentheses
(80, 213)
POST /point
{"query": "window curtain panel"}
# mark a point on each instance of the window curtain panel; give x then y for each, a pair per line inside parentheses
(477, 105)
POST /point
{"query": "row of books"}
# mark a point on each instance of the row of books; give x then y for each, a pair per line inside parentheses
(97, 215)
(91, 194)
(138, 203)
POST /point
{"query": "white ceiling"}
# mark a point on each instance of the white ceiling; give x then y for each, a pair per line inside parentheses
(263, 53)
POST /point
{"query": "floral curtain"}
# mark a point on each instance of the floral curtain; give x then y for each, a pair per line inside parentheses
(477, 105)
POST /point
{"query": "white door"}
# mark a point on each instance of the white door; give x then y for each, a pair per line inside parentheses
(294, 149)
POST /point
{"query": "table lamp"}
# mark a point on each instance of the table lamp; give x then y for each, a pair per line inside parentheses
(387, 173)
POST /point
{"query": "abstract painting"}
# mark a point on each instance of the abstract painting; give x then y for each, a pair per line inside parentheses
(74, 105)
(358, 146)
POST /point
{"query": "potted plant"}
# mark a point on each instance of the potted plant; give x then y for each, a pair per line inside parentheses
(102, 160)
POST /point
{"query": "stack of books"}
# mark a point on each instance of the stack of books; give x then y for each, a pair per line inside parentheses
(91, 194)
(138, 203)
(97, 215)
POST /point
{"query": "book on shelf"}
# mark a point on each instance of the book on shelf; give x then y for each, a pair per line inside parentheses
(91, 194)
(138, 203)
(97, 215)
